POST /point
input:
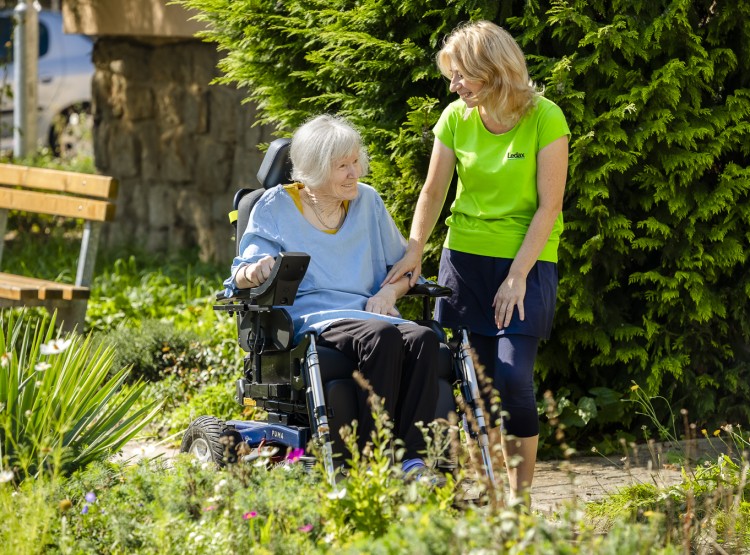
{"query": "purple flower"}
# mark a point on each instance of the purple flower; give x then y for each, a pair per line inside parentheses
(249, 515)
(91, 497)
(85, 510)
(306, 528)
(295, 455)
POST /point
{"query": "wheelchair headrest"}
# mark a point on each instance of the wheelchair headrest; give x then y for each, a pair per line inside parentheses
(276, 167)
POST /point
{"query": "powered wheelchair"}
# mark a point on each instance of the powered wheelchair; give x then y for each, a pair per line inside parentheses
(307, 391)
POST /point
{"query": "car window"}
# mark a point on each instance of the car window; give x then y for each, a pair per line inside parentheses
(6, 40)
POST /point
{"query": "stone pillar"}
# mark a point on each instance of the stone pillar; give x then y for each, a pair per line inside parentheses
(179, 146)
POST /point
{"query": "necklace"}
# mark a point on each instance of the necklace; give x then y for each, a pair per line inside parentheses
(309, 201)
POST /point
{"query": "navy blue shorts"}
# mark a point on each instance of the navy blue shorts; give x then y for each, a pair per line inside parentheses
(475, 280)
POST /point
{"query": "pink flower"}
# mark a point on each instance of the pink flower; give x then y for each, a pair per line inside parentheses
(306, 528)
(295, 455)
(249, 515)
(210, 508)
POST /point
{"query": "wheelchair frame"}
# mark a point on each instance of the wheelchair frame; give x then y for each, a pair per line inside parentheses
(287, 383)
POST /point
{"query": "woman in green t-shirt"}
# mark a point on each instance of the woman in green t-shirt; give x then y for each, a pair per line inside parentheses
(509, 146)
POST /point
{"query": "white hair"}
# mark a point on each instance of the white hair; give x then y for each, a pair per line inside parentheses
(318, 144)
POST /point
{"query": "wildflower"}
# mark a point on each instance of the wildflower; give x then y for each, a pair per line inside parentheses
(85, 510)
(54, 347)
(295, 455)
(634, 387)
(42, 366)
(210, 508)
(716, 433)
(249, 515)
(337, 494)
(704, 432)
(306, 528)
(90, 497)
(65, 504)
(5, 360)
(6, 476)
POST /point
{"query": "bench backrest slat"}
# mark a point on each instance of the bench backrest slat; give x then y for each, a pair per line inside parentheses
(57, 205)
(89, 185)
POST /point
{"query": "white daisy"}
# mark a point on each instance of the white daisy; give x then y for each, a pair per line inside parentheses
(55, 347)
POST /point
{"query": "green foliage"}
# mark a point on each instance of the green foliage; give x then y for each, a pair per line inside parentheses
(155, 349)
(216, 399)
(60, 408)
(654, 271)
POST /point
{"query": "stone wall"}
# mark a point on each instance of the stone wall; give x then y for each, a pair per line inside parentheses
(179, 146)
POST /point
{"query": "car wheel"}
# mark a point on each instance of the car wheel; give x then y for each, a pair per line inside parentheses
(71, 135)
(208, 439)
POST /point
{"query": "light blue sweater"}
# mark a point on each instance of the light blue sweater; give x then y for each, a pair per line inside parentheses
(346, 268)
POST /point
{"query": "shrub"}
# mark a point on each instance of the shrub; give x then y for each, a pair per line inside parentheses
(59, 407)
(654, 274)
(154, 350)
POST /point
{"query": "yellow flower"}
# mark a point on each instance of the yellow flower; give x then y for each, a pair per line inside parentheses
(716, 433)
(704, 432)
(634, 387)
(65, 504)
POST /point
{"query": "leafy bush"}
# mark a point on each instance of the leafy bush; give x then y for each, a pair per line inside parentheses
(59, 407)
(154, 349)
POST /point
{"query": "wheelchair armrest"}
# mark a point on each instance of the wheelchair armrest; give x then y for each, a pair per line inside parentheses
(429, 288)
(280, 288)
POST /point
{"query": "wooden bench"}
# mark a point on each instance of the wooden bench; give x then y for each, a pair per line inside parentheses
(58, 193)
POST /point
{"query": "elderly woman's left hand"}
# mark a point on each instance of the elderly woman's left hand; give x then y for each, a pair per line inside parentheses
(384, 302)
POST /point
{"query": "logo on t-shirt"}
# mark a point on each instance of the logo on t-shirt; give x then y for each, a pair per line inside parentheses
(516, 155)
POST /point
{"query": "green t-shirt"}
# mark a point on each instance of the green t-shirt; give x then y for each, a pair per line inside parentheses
(497, 192)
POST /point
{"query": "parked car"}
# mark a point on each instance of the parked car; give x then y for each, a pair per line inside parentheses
(64, 92)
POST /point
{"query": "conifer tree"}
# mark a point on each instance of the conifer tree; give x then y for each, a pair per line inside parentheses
(655, 279)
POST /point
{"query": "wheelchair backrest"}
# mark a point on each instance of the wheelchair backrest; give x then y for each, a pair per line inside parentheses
(276, 168)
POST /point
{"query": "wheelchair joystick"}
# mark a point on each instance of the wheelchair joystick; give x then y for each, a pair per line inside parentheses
(471, 392)
(319, 413)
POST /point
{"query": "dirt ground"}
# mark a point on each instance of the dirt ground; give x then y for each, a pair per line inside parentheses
(562, 483)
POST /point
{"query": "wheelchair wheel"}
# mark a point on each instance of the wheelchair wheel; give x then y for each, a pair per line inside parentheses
(209, 440)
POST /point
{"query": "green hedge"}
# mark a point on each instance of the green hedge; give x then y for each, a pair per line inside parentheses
(655, 284)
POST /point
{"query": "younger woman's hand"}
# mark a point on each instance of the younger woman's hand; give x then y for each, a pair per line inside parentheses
(411, 262)
(509, 295)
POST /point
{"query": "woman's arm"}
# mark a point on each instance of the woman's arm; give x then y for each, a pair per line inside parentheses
(552, 170)
(384, 301)
(426, 213)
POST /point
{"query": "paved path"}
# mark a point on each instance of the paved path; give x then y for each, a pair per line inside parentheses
(556, 483)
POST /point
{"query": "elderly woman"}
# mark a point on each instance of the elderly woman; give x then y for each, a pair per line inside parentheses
(352, 241)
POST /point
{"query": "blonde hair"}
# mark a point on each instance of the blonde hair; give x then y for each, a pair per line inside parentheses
(318, 144)
(484, 52)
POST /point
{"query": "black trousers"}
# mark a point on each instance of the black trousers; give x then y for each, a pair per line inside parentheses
(400, 362)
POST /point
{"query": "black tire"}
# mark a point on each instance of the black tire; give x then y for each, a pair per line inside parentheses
(208, 439)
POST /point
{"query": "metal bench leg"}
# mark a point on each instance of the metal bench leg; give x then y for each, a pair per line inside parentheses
(72, 315)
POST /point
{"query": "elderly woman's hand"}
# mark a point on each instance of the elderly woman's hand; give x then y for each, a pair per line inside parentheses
(252, 275)
(383, 302)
